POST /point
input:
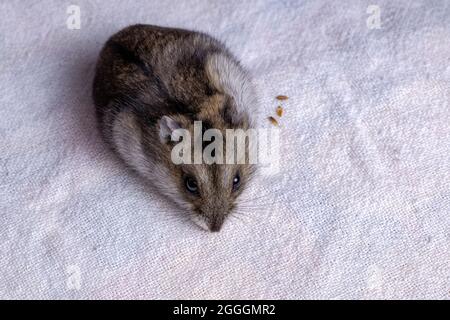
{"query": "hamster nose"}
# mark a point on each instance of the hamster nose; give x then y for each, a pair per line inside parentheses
(216, 224)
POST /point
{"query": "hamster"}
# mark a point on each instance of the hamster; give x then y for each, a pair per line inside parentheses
(151, 80)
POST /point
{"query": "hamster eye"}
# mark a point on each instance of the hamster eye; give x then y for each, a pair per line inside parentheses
(191, 185)
(236, 181)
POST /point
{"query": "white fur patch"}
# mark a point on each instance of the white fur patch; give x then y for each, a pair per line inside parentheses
(199, 221)
(228, 77)
(127, 140)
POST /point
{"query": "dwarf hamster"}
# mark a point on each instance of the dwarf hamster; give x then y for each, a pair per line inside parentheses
(151, 80)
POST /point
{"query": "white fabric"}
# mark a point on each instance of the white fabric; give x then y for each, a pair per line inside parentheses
(361, 208)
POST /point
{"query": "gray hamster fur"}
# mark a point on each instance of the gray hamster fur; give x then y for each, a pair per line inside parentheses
(150, 80)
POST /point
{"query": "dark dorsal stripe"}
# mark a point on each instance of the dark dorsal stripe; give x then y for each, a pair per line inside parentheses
(130, 57)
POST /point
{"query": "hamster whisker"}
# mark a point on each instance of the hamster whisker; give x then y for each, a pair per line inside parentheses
(270, 195)
(258, 205)
(234, 216)
(260, 200)
(173, 217)
(242, 214)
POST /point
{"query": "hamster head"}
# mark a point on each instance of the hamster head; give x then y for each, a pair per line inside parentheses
(200, 177)
(210, 192)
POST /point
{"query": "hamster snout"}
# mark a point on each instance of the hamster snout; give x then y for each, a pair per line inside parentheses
(155, 84)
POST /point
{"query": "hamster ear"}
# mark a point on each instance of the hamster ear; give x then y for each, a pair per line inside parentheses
(166, 126)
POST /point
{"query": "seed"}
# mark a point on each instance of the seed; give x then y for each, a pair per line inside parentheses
(279, 111)
(281, 97)
(273, 121)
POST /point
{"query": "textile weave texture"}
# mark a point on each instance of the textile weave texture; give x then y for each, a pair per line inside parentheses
(359, 210)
